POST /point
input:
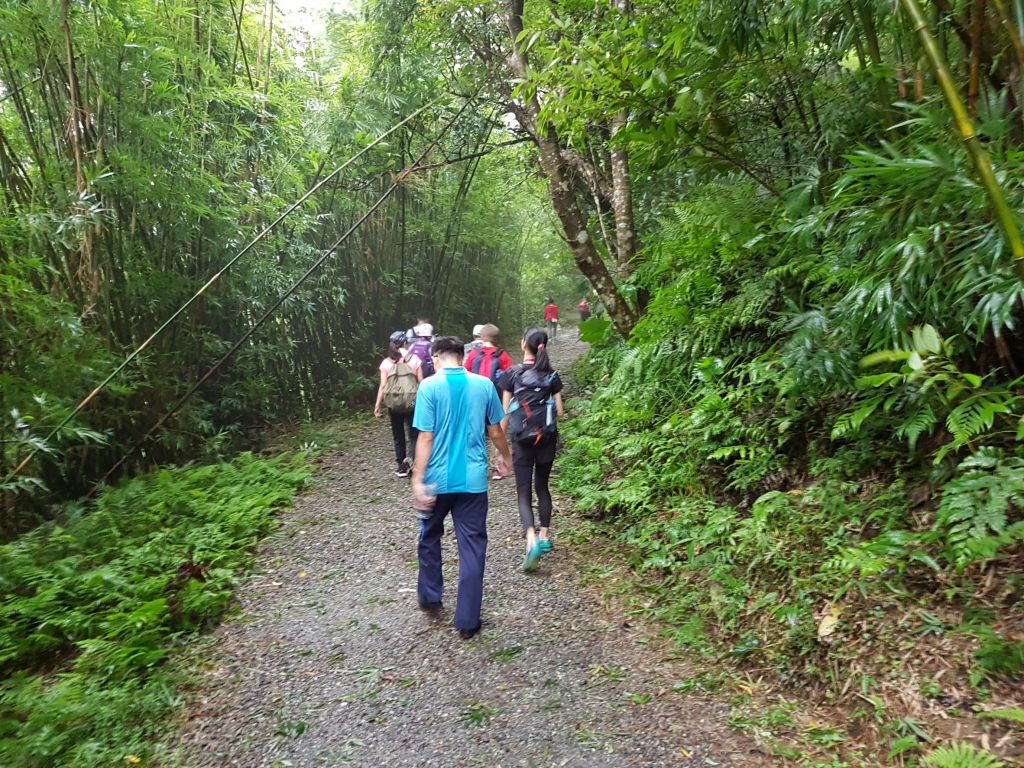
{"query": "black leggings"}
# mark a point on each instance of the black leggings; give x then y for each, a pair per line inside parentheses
(532, 464)
(399, 423)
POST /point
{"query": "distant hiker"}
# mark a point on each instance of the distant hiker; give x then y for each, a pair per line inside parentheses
(422, 338)
(450, 475)
(400, 375)
(551, 318)
(532, 397)
(584, 308)
(477, 342)
(421, 320)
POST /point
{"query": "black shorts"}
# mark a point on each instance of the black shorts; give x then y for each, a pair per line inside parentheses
(529, 454)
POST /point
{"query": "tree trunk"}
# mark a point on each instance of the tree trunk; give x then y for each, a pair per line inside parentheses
(563, 197)
(622, 188)
(867, 21)
(622, 205)
(974, 71)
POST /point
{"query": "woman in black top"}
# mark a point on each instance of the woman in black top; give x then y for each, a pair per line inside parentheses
(531, 384)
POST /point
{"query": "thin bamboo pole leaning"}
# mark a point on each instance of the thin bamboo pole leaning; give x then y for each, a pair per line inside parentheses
(399, 178)
(964, 126)
(1011, 31)
(216, 276)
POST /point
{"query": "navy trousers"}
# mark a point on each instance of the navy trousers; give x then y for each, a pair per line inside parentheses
(469, 513)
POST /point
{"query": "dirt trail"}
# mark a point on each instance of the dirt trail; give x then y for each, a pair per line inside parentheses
(331, 662)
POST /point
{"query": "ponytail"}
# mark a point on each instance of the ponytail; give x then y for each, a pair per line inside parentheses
(394, 352)
(537, 345)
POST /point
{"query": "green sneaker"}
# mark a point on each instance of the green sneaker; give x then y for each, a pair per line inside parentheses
(545, 546)
(532, 559)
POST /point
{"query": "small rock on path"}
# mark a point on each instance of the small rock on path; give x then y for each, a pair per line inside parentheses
(331, 662)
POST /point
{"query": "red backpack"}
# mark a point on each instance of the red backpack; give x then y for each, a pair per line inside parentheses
(486, 362)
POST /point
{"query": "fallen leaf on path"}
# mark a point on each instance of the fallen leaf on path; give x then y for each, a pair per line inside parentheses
(827, 625)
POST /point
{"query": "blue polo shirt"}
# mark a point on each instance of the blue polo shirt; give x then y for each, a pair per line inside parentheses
(456, 406)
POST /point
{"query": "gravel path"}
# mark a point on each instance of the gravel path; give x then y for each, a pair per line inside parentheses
(331, 662)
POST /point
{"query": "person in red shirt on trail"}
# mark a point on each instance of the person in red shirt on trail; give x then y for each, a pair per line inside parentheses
(490, 361)
(551, 318)
(584, 309)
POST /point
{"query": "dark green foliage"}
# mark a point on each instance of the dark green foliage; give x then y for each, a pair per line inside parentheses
(92, 604)
(973, 521)
(758, 470)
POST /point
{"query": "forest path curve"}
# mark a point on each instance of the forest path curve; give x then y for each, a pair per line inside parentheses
(331, 663)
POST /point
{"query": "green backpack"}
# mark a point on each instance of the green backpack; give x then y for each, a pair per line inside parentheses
(400, 390)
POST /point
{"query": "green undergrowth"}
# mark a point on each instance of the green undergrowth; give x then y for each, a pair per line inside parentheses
(92, 606)
(812, 466)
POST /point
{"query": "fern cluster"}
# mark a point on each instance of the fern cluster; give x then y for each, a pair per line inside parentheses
(764, 443)
(105, 594)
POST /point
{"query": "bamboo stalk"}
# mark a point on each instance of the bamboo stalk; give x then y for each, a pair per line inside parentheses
(965, 128)
(1011, 31)
(974, 72)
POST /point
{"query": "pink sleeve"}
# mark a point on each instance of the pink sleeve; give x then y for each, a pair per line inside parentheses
(386, 365)
(414, 362)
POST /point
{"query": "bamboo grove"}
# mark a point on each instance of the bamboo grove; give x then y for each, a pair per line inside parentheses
(143, 144)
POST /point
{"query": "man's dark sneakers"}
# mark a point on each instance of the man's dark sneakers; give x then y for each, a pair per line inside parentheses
(433, 610)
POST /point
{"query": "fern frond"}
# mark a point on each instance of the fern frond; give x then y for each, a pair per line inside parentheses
(976, 415)
(961, 755)
(975, 507)
(921, 422)
(1013, 714)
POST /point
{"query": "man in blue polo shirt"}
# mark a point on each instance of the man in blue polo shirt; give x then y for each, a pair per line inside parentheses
(450, 475)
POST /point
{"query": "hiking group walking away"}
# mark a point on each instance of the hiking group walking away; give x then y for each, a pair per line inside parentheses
(446, 401)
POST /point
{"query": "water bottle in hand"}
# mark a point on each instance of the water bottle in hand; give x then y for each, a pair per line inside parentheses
(430, 490)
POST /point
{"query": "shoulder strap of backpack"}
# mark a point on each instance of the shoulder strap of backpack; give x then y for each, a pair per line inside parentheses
(496, 363)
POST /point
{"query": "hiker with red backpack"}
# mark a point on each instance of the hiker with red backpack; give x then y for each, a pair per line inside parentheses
(490, 361)
(400, 375)
(532, 397)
